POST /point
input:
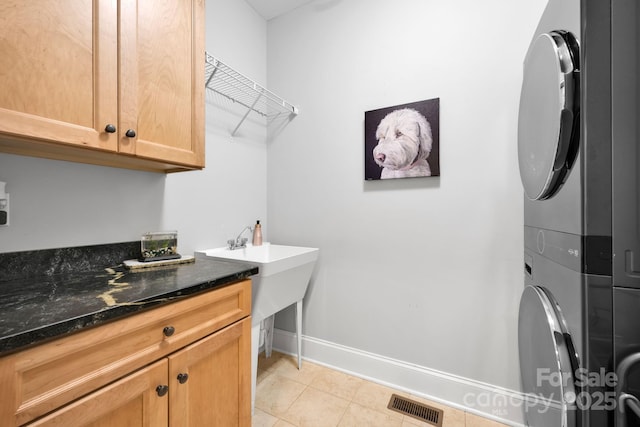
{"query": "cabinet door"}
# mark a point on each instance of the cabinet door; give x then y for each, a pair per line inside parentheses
(161, 80)
(52, 54)
(217, 391)
(132, 401)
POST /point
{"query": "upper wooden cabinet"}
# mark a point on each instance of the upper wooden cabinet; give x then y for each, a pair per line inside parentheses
(117, 83)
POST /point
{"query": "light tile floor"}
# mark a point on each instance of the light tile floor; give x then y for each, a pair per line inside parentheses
(316, 396)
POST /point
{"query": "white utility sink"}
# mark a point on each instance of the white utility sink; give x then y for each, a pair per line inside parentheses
(282, 280)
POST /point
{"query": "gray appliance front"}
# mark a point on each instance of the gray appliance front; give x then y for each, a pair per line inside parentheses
(564, 154)
(626, 208)
(564, 122)
(564, 333)
(626, 149)
(547, 129)
(627, 354)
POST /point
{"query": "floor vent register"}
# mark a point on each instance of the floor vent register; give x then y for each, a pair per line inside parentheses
(416, 410)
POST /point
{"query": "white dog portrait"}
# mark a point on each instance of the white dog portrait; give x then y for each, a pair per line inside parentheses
(404, 143)
(404, 140)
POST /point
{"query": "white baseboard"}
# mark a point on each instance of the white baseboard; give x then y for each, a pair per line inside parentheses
(496, 403)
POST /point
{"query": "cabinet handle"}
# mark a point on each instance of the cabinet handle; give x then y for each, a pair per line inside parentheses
(110, 128)
(162, 390)
(182, 378)
(168, 331)
(130, 133)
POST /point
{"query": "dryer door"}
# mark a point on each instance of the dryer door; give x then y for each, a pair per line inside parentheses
(547, 361)
(548, 118)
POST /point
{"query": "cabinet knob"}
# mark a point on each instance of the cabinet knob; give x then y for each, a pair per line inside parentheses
(130, 133)
(182, 378)
(162, 390)
(168, 331)
(110, 128)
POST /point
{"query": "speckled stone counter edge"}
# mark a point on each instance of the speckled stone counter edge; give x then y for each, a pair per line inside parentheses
(207, 275)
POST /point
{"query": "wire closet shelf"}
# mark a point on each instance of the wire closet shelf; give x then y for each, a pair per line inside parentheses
(223, 80)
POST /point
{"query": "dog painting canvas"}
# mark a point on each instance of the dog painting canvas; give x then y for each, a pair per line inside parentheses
(403, 141)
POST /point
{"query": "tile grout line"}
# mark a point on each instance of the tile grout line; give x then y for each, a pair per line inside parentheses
(292, 403)
(349, 404)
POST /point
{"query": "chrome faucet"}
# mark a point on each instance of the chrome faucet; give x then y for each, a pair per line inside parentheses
(239, 243)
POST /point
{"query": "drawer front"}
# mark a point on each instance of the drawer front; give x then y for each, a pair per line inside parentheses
(52, 374)
(131, 401)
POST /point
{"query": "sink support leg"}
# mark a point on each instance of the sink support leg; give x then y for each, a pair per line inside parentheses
(255, 343)
(299, 331)
(268, 335)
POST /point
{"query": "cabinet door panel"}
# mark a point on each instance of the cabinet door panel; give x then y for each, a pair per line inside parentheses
(131, 401)
(52, 53)
(162, 80)
(218, 389)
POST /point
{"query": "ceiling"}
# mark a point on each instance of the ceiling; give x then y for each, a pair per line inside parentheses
(271, 8)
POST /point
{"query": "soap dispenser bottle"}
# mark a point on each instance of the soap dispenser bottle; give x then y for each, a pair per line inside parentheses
(257, 234)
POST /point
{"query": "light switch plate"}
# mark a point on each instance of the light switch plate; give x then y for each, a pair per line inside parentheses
(4, 214)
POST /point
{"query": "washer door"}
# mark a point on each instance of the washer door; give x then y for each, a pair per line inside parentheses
(548, 120)
(548, 361)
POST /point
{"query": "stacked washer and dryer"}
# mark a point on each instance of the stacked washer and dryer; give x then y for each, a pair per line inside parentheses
(578, 149)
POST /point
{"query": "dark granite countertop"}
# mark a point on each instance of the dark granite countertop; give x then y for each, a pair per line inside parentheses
(39, 307)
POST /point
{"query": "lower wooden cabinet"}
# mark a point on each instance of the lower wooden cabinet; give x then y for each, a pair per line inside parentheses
(187, 363)
(205, 384)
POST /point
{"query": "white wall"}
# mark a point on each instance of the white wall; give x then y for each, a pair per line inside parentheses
(211, 206)
(60, 204)
(426, 271)
(56, 204)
